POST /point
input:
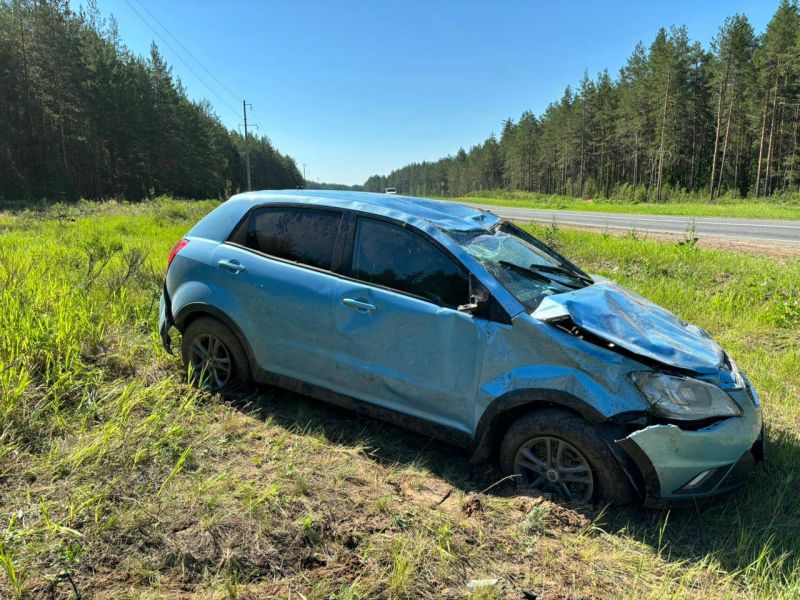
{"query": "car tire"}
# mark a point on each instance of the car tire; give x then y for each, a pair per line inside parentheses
(586, 472)
(226, 368)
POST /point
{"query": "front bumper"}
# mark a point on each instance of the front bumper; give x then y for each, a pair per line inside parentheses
(165, 322)
(679, 465)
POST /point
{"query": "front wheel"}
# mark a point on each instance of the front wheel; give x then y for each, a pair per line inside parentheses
(213, 357)
(557, 452)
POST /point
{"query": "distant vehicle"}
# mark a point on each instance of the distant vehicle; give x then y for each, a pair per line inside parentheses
(454, 322)
(391, 190)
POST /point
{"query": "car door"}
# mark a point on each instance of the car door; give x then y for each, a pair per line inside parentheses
(401, 341)
(278, 264)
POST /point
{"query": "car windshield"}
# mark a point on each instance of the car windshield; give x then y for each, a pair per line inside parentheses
(526, 267)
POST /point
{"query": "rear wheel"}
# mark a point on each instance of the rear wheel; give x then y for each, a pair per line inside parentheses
(214, 358)
(557, 452)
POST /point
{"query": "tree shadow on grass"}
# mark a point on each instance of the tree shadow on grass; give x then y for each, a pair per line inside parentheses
(761, 521)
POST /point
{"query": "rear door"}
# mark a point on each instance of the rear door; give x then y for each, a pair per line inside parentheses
(278, 265)
(400, 341)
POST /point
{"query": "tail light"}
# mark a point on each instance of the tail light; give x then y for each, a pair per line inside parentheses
(175, 249)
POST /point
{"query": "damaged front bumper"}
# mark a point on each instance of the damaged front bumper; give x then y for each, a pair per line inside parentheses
(678, 465)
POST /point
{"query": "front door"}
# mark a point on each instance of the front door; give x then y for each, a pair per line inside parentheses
(400, 341)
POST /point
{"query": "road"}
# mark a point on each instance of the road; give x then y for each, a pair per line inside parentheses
(762, 230)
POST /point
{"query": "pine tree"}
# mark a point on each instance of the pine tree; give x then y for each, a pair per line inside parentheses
(677, 117)
(84, 117)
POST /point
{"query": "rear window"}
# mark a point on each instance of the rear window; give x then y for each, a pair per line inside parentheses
(303, 235)
(397, 258)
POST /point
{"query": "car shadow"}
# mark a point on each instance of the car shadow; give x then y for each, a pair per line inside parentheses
(759, 522)
(387, 444)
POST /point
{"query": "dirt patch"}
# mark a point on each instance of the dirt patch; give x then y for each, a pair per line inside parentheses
(568, 519)
(781, 250)
(472, 505)
(781, 340)
(778, 250)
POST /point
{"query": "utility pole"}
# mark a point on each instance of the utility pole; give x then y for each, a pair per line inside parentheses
(304, 175)
(246, 145)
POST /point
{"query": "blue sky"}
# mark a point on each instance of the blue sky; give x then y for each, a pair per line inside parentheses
(358, 88)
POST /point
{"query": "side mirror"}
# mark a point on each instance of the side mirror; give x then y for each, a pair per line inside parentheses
(471, 307)
(478, 298)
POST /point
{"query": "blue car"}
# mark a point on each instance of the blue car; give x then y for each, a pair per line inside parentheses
(458, 324)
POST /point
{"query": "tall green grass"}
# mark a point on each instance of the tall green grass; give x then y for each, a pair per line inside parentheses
(118, 480)
(85, 398)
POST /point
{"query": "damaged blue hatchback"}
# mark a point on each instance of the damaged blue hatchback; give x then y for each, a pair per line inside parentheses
(456, 323)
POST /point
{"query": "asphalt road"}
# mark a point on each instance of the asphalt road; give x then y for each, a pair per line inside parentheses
(763, 230)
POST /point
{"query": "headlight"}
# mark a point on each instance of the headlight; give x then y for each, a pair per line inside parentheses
(684, 398)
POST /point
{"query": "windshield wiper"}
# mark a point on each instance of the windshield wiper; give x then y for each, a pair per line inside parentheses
(534, 275)
(562, 271)
(506, 226)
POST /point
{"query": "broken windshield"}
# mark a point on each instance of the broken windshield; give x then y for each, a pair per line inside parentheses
(522, 264)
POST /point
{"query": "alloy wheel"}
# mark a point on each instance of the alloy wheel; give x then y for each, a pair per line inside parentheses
(552, 465)
(210, 362)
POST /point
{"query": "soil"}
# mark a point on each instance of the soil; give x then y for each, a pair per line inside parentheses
(780, 250)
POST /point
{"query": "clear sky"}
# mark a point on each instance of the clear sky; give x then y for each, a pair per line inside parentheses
(362, 87)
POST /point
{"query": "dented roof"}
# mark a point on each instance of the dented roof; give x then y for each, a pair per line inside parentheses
(448, 216)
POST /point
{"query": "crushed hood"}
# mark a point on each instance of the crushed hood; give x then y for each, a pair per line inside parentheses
(632, 322)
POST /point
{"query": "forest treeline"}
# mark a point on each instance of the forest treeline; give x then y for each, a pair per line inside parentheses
(677, 120)
(82, 116)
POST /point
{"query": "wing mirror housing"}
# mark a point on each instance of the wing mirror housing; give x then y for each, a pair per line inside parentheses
(470, 307)
(478, 298)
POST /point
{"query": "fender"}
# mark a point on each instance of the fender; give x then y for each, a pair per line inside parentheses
(503, 409)
(191, 310)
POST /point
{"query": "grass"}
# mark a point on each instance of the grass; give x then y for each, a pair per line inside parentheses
(786, 208)
(117, 480)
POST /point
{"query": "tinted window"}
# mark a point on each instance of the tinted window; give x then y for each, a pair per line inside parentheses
(303, 235)
(397, 258)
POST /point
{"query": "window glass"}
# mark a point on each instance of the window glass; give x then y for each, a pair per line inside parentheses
(526, 271)
(303, 235)
(397, 258)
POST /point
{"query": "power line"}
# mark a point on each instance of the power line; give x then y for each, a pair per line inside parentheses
(245, 105)
(256, 115)
(202, 66)
(187, 65)
(246, 147)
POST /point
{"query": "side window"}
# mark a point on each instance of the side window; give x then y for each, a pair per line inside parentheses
(394, 257)
(304, 235)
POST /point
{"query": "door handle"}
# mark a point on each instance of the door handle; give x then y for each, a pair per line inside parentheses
(233, 265)
(358, 305)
